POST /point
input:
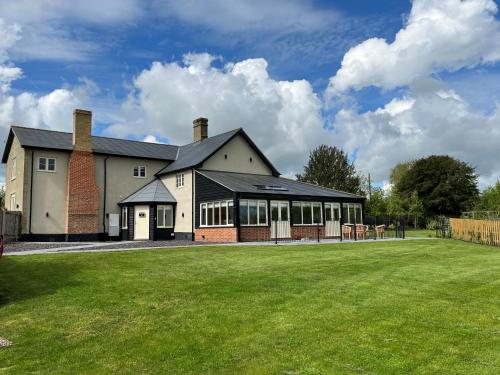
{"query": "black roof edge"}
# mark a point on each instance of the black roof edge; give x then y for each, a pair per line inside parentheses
(352, 195)
(276, 173)
(211, 179)
(8, 145)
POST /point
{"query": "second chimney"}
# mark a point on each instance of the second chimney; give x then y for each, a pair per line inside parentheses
(82, 130)
(200, 127)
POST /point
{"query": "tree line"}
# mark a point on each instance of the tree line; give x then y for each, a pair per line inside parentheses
(423, 188)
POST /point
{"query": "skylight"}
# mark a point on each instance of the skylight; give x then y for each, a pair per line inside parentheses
(271, 187)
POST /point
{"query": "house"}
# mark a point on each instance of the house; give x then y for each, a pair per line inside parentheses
(75, 186)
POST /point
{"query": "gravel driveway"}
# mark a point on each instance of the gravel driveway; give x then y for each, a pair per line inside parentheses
(17, 247)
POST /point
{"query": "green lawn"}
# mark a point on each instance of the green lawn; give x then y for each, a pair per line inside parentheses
(424, 307)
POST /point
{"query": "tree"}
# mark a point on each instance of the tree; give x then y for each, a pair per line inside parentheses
(490, 199)
(330, 167)
(376, 205)
(399, 171)
(415, 207)
(445, 186)
(395, 204)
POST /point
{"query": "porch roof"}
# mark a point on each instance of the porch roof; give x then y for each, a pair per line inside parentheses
(271, 185)
(153, 192)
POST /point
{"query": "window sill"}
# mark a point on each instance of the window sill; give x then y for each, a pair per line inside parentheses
(254, 225)
(45, 170)
(142, 177)
(308, 225)
(217, 226)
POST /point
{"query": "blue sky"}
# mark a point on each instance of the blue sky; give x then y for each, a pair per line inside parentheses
(385, 80)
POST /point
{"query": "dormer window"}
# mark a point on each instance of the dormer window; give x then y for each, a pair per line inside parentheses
(179, 180)
(140, 171)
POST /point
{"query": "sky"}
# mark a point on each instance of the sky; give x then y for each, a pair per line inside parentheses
(386, 81)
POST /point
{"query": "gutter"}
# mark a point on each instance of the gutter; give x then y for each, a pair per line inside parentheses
(104, 195)
(31, 187)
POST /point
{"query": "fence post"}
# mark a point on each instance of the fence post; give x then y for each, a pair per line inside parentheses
(404, 227)
(276, 232)
(318, 232)
(355, 228)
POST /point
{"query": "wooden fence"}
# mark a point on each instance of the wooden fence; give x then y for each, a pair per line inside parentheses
(10, 225)
(479, 231)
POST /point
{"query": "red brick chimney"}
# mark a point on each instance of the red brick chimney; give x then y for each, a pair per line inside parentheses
(83, 193)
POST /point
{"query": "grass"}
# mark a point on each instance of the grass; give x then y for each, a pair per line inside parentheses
(419, 307)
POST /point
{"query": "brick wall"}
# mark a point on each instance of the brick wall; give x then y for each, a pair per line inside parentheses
(251, 234)
(216, 234)
(299, 232)
(83, 194)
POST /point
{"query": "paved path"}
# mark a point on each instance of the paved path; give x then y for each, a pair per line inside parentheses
(36, 248)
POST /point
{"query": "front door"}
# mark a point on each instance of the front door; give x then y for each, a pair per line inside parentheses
(141, 223)
(332, 219)
(280, 219)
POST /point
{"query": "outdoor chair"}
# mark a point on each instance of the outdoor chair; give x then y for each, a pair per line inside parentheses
(380, 231)
(347, 232)
(361, 231)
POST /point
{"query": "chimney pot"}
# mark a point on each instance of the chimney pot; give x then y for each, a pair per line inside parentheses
(200, 127)
(82, 130)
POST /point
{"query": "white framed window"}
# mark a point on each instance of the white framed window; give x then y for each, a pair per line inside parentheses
(125, 217)
(352, 213)
(218, 213)
(46, 164)
(13, 172)
(179, 180)
(306, 213)
(13, 202)
(253, 212)
(165, 216)
(140, 171)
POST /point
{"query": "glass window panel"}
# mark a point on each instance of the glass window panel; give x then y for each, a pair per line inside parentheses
(210, 214)
(160, 219)
(351, 213)
(336, 214)
(230, 212)
(252, 210)
(169, 216)
(328, 212)
(244, 212)
(42, 164)
(316, 213)
(296, 213)
(274, 212)
(124, 218)
(345, 213)
(223, 213)
(204, 214)
(307, 213)
(136, 171)
(359, 219)
(284, 212)
(51, 164)
(262, 212)
(217, 213)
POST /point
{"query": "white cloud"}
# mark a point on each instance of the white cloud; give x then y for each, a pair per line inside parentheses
(52, 110)
(439, 35)
(244, 16)
(283, 117)
(430, 119)
(51, 30)
(151, 139)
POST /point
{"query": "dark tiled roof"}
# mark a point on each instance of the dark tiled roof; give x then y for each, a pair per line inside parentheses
(155, 191)
(262, 184)
(197, 152)
(40, 138)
